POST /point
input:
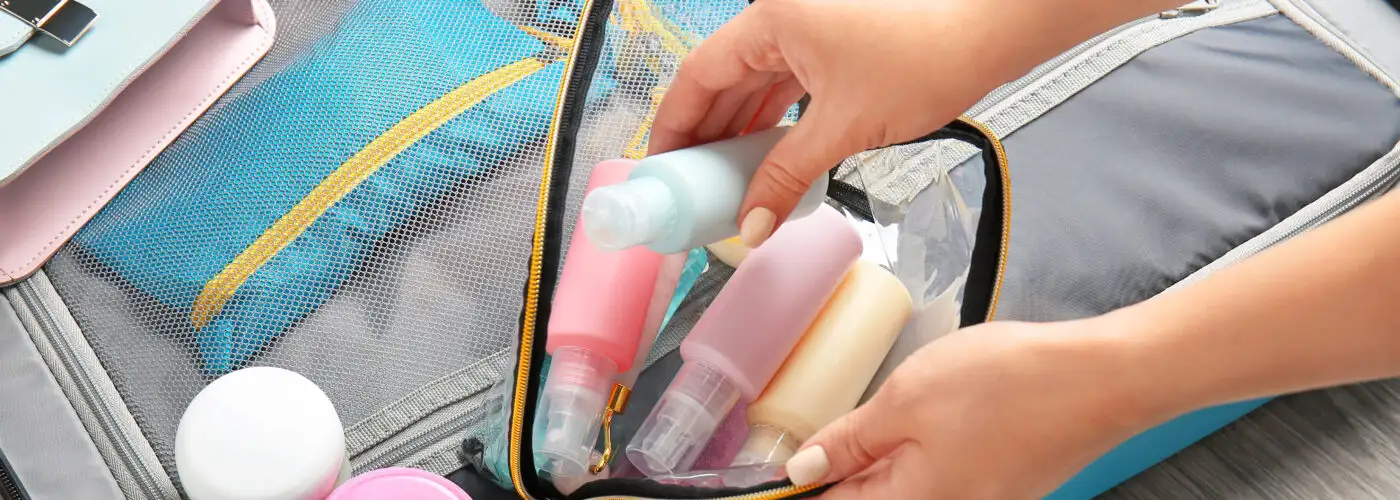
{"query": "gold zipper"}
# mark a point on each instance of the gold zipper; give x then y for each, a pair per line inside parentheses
(1005, 171)
(532, 290)
(774, 494)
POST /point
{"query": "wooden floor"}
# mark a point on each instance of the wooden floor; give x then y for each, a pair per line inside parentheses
(1341, 443)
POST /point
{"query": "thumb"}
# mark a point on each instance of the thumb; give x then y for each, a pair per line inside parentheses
(814, 146)
(849, 445)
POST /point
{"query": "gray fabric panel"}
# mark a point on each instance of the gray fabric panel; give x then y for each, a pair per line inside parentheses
(1174, 159)
(40, 434)
(1371, 25)
(1337, 443)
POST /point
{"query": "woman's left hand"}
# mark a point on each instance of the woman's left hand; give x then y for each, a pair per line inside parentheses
(998, 411)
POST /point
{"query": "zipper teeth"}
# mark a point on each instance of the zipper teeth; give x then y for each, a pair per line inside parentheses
(1036, 78)
(532, 296)
(9, 487)
(1010, 89)
(1044, 69)
(1005, 170)
(1308, 17)
(87, 388)
(436, 434)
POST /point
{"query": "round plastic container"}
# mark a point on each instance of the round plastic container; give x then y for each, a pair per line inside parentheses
(260, 433)
(399, 483)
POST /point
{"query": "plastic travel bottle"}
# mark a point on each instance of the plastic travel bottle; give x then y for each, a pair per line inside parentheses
(260, 433)
(742, 339)
(599, 306)
(828, 371)
(687, 198)
(399, 483)
(931, 321)
(667, 277)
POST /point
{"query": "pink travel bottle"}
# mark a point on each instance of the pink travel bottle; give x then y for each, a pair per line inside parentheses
(600, 306)
(742, 339)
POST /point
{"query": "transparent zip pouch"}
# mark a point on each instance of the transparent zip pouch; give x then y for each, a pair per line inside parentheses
(925, 239)
(947, 257)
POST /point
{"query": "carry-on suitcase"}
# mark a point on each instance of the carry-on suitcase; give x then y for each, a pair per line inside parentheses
(402, 259)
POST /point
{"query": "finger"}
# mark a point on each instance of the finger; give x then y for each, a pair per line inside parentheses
(897, 478)
(849, 445)
(766, 112)
(729, 106)
(720, 62)
(865, 486)
(814, 146)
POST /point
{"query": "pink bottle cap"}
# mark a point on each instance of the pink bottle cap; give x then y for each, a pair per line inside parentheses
(399, 483)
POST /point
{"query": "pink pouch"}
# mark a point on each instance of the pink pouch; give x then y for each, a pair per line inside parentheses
(52, 198)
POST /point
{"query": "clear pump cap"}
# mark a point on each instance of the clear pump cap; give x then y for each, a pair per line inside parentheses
(685, 417)
(621, 216)
(575, 395)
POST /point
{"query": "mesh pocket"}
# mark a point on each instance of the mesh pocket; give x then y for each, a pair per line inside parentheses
(359, 211)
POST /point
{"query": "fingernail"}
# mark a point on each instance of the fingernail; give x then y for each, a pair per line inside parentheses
(808, 466)
(757, 226)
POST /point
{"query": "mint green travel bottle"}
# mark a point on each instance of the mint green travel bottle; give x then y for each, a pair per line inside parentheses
(676, 201)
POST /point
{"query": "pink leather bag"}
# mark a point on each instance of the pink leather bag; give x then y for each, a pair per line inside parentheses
(45, 202)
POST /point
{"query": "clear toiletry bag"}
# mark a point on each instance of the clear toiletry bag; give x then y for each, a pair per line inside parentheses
(1142, 160)
(384, 202)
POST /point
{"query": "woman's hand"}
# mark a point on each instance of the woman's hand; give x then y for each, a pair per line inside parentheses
(878, 72)
(997, 411)
(1010, 410)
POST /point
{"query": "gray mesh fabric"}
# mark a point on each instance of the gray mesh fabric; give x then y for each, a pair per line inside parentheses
(359, 209)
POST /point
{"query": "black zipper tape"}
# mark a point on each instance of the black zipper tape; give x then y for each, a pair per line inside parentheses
(983, 279)
(10, 487)
(646, 488)
(590, 50)
(986, 251)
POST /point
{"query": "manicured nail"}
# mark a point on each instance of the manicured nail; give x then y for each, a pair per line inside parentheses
(808, 466)
(757, 226)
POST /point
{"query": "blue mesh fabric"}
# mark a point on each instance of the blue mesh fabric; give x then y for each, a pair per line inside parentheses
(267, 149)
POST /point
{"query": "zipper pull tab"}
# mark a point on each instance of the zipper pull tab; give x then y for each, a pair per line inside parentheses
(617, 404)
(1192, 9)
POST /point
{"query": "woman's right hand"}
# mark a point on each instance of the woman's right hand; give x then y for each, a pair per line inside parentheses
(879, 72)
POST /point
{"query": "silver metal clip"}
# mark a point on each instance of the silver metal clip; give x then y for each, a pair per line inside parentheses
(1195, 8)
(62, 20)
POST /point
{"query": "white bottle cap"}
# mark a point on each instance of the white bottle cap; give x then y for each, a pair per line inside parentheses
(685, 417)
(567, 423)
(636, 212)
(260, 433)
